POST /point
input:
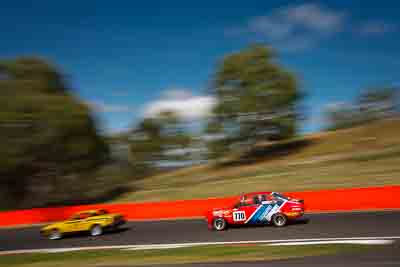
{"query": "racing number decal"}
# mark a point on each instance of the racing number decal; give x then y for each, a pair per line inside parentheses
(239, 216)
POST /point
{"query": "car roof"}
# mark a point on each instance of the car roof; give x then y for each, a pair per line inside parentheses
(90, 211)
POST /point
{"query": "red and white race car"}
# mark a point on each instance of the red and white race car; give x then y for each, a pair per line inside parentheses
(256, 208)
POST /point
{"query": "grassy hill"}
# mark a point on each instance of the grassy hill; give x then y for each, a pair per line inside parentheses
(364, 156)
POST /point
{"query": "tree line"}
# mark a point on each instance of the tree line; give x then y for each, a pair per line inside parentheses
(372, 104)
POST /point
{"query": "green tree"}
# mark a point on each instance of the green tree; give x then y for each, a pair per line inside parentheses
(340, 116)
(173, 131)
(146, 144)
(49, 139)
(377, 103)
(256, 100)
(155, 139)
(371, 104)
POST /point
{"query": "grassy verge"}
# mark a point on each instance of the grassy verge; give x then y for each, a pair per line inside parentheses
(173, 256)
(359, 157)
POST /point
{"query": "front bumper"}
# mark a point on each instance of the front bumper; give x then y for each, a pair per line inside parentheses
(118, 223)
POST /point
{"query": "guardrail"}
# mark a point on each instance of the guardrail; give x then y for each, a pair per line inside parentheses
(354, 199)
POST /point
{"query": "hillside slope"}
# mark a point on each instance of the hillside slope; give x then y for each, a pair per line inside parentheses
(364, 156)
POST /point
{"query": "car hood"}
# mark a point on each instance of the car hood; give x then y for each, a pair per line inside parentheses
(52, 225)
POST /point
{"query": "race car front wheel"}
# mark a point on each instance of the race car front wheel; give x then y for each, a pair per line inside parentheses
(279, 220)
(96, 230)
(54, 234)
(219, 224)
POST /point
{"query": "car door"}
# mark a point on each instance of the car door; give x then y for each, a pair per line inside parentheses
(244, 212)
(83, 223)
(269, 206)
(72, 224)
(259, 211)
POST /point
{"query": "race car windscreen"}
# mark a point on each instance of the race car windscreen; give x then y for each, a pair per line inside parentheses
(279, 196)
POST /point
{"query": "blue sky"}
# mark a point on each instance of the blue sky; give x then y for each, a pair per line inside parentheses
(130, 58)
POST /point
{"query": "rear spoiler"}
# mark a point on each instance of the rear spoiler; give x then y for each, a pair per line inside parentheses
(297, 200)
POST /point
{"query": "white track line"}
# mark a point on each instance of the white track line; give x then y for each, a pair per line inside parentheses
(309, 241)
(354, 242)
(154, 246)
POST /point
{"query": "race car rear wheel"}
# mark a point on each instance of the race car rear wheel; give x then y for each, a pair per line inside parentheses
(96, 230)
(279, 220)
(54, 234)
(219, 224)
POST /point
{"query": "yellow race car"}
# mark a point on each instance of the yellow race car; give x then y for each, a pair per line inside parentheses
(94, 222)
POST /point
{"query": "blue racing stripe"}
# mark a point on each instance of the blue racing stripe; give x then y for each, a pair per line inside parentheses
(258, 217)
(261, 214)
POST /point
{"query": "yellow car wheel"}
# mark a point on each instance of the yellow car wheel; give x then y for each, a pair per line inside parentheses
(54, 234)
(96, 230)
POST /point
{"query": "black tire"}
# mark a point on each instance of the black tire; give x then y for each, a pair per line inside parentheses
(54, 234)
(96, 230)
(279, 220)
(219, 224)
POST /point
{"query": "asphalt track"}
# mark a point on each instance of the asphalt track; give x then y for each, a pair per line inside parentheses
(339, 225)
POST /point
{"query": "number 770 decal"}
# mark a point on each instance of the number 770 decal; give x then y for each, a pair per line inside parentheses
(239, 216)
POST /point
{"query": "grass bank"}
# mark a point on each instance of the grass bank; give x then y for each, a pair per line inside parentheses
(174, 256)
(364, 156)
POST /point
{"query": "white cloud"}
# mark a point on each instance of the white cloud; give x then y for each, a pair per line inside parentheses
(177, 94)
(376, 28)
(315, 17)
(185, 104)
(293, 27)
(100, 106)
(271, 27)
(299, 27)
